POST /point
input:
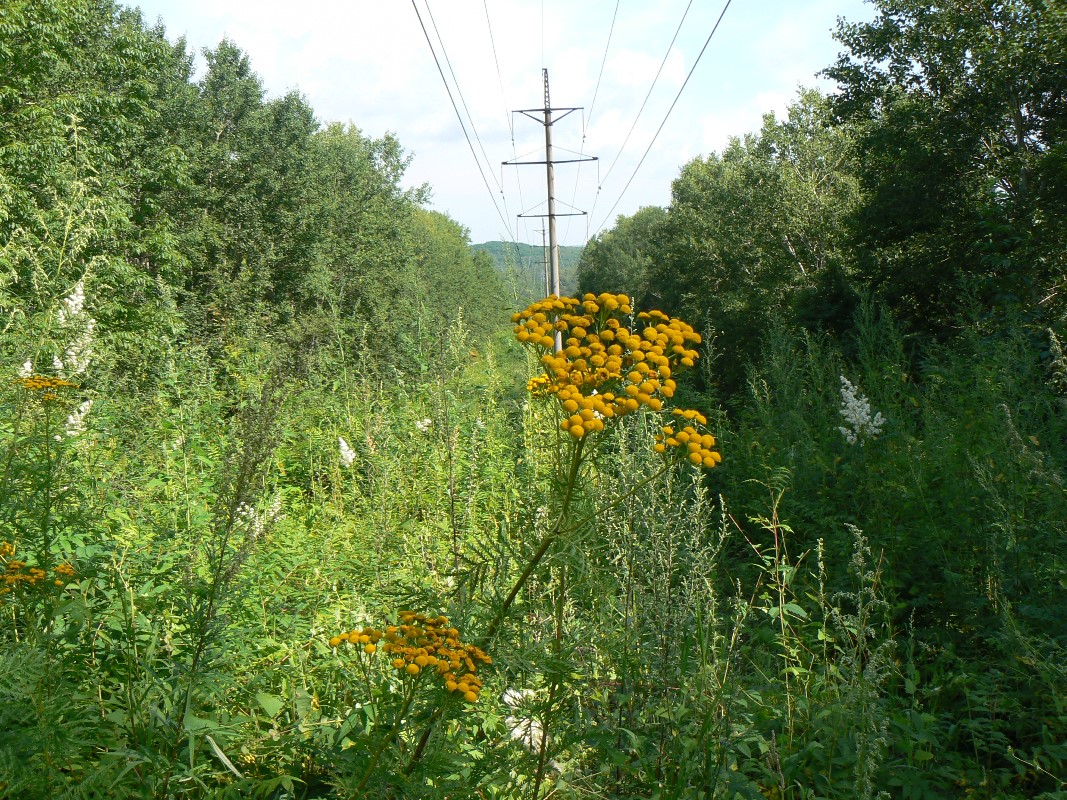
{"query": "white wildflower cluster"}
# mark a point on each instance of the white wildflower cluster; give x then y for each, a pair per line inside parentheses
(256, 522)
(73, 304)
(1057, 367)
(76, 420)
(424, 425)
(348, 455)
(856, 409)
(73, 316)
(525, 730)
(27, 369)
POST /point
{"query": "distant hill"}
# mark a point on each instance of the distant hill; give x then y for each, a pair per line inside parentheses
(522, 267)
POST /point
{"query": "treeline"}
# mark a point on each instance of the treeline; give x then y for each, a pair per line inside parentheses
(881, 278)
(522, 266)
(934, 179)
(205, 210)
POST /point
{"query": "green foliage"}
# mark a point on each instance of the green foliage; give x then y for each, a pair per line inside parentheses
(522, 268)
(453, 275)
(755, 234)
(622, 259)
(267, 401)
(970, 98)
(931, 490)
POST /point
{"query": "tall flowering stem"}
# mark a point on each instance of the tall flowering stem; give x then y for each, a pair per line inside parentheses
(408, 697)
(613, 363)
(546, 543)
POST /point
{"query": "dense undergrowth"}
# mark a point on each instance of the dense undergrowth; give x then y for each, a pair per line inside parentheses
(841, 609)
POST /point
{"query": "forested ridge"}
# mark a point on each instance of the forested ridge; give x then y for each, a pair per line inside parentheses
(300, 498)
(522, 266)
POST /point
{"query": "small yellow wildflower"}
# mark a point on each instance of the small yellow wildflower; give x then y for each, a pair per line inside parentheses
(17, 573)
(39, 383)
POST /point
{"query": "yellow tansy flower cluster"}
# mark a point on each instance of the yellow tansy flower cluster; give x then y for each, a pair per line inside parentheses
(691, 442)
(18, 572)
(604, 369)
(43, 383)
(611, 363)
(423, 644)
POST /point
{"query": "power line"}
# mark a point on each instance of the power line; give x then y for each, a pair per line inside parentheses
(455, 108)
(496, 61)
(589, 121)
(463, 100)
(629, 133)
(508, 116)
(604, 60)
(666, 116)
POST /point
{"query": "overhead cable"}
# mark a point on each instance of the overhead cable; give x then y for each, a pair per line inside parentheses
(587, 121)
(459, 116)
(508, 116)
(665, 117)
(463, 101)
(629, 133)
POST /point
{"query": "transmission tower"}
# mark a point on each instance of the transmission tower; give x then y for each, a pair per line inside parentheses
(548, 116)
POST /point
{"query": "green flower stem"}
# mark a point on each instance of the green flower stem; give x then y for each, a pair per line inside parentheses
(546, 542)
(619, 499)
(425, 738)
(386, 739)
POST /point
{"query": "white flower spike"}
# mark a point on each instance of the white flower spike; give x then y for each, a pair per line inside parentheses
(348, 455)
(856, 409)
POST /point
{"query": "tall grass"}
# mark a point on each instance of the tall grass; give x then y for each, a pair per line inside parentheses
(813, 619)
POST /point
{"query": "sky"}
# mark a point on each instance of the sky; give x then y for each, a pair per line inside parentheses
(368, 63)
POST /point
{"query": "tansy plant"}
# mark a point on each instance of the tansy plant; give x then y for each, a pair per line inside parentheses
(427, 654)
(602, 362)
(18, 575)
(36, 503)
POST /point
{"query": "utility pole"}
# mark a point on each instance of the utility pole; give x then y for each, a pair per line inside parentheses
(547, 119)
(550, 170)
(548, 269)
